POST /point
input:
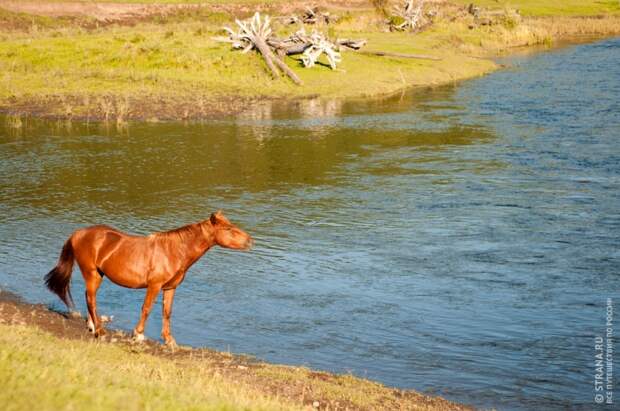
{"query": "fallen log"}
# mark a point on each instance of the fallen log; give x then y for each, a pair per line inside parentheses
(286, 69)
(299, 42)
(311, 46)
(294, 49)
(268, 56)
(400, 55)
(288, 46)
(351, 44)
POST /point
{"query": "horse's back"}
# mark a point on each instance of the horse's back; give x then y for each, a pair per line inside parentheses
(99, 228)
(88, 242)
(107, 250)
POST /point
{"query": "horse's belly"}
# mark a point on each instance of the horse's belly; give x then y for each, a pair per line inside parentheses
(126, 279)
(126, 267)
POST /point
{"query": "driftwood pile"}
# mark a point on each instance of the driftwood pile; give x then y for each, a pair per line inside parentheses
(313, 46)
(256, 34)
(312, 16)
(483, 17)
(409, 15)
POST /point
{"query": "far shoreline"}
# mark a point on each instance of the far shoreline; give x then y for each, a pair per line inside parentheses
(176, 94)
(231, 107)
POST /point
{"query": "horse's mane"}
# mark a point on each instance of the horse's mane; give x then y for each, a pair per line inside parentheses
(182, 233)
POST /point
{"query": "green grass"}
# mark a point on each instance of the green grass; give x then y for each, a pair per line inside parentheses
(39, 371)
(552, 7)
(181, 58)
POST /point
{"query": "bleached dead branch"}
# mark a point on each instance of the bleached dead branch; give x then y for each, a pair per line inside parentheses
(255, 33)
(320, 45)
(410, 12)
(311, 16)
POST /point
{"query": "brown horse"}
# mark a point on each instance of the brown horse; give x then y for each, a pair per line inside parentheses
(156, 262)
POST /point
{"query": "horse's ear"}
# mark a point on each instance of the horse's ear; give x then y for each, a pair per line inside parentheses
(213, 218)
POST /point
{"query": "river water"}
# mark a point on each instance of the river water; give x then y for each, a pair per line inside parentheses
(460, 241)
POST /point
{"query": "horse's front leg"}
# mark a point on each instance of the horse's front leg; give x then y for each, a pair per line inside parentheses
(151, 295)
(167, 311)
(91, 323)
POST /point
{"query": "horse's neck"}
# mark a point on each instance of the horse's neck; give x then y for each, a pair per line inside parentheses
(196, 245)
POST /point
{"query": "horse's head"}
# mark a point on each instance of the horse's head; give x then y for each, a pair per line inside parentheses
(229, 235)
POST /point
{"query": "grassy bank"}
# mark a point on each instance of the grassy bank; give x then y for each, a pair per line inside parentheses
(39, 371)
(164, 64)
(50, 362)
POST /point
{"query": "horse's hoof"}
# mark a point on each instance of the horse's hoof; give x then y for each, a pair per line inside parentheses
(171, 343)
(91, 327)
(138, 337)
(99, 333)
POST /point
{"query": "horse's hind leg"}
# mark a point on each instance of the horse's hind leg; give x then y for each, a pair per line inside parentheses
(93, 281)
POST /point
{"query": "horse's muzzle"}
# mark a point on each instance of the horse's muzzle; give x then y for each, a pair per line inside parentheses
(249, 244)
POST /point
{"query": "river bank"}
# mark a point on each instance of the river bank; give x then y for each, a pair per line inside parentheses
(154, 62)
(41, 348)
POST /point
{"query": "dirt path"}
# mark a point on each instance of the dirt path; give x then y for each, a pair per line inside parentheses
(107, 12)
(97, 11)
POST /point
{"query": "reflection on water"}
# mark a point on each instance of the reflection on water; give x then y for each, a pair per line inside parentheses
(458, 240)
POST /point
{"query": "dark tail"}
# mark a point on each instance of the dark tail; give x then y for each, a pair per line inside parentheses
(59, 279)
